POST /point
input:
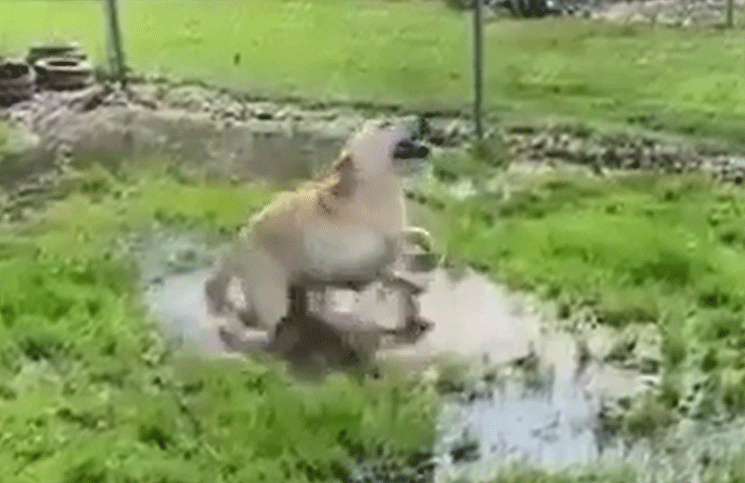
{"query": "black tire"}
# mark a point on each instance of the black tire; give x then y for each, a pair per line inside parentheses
(64, 73)
(43, 51)
(17, 81)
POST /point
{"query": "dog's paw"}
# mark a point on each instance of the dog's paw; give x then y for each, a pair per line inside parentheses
(418, 325)
(246, 317)
(230, 339)
(415, 328)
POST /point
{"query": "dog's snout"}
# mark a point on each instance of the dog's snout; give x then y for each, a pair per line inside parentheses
(410, 149)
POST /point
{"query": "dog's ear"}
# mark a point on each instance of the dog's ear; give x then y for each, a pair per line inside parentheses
(346, 179)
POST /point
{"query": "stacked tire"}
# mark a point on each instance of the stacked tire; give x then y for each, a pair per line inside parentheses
(64, 73)
(43, 51)
(17, 81)
(61, 66)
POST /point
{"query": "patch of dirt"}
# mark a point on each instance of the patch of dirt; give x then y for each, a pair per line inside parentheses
(673, 13)
(543, 146)
(220, 133)
(98, 124)
(194, 125)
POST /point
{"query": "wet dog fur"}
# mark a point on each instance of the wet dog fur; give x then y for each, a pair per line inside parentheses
(355, 212)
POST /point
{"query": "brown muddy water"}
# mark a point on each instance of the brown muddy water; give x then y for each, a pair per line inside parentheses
(544, 415)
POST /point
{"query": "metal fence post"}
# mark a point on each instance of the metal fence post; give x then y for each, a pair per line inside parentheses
(116, 53)
(478, 61)
(730, 17)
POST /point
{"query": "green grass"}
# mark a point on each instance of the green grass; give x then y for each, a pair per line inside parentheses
(417, 53)
(657, 238)
(90, 392)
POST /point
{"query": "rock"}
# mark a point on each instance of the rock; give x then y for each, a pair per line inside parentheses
(455, 134)
(703, 406)
(477, 390)
(538, 142)
(622, 349)
(610, 417)
(190, 98)
(437, 137)
(529, 362)
(465, 451)
(183, 260)
(610, 157)
(575, 150)
(235, 110)
(263, 111)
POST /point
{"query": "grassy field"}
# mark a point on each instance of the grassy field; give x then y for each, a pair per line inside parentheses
(418, 53)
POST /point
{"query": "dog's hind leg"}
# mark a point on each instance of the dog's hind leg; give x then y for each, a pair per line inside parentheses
(265, 284)
(298, 302)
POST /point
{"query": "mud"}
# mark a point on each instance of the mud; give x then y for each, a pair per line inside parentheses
(118, 128)
(191, 125)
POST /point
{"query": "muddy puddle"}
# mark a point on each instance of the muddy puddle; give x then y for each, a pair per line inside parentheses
(532, 398)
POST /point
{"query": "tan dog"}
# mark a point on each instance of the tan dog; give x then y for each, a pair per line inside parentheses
(346, 227)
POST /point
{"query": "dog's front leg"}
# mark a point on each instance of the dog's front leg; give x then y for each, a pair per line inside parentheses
(413, 325)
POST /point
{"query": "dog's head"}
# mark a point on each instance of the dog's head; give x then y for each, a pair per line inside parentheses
(382, 147)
